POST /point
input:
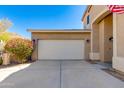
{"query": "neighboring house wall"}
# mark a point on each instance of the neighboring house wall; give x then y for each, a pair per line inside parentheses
(62, 36)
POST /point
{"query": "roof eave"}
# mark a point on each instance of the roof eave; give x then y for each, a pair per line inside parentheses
(59, 30)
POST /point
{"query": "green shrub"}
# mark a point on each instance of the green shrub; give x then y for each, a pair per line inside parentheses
(21, 48)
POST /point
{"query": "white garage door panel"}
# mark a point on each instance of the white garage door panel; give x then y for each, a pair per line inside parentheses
(60, 49)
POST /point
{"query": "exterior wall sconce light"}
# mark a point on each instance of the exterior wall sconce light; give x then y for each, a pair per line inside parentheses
(87, 40)
(111, 38)
(34, 43)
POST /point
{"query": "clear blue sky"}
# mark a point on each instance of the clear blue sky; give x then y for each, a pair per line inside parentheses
(42, 17)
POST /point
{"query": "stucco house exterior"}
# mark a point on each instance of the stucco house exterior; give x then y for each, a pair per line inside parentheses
(61, 44)
(101, 39)
(107, 34)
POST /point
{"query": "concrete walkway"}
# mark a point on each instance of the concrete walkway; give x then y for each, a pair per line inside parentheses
(64, 74)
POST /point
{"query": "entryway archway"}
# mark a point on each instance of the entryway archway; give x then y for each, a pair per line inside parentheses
(102, 38)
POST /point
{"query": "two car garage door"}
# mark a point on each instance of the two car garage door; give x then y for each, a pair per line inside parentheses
(60, 49)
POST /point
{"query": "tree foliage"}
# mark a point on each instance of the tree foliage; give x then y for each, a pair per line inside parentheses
(21, 48)
(4, 36)
(5, 24)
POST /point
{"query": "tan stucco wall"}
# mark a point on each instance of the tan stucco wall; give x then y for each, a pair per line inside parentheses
(101, 40)
(62, 36)
(101, 29)
(108, 32)
(96, 10)
(105, 32)
(115, 23)
(97, 13)
(95, 38)
(120, 35)
(118, 44)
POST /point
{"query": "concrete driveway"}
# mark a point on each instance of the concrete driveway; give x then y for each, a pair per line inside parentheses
(64, 74)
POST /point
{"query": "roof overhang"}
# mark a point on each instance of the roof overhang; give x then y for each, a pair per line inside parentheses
(59, 30)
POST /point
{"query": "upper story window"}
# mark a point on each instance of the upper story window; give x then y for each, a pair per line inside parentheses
(88, 19)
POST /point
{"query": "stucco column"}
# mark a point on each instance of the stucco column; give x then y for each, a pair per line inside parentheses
(114, 40)
(114, 35)
(114, 59)
(94, 54)
(118, 34)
